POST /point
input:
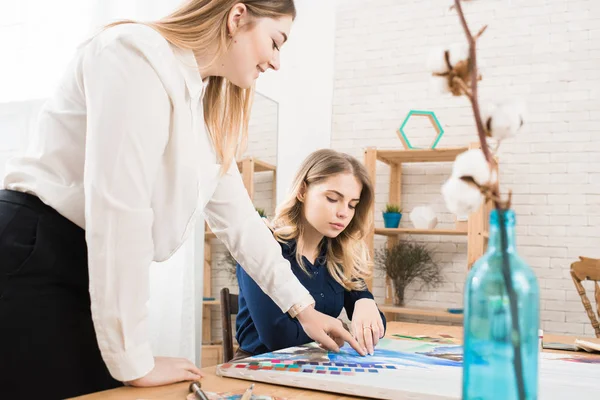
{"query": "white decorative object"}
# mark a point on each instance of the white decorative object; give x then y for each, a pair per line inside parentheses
(423, 217)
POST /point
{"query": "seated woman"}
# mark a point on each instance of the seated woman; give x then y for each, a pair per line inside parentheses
(321, 229)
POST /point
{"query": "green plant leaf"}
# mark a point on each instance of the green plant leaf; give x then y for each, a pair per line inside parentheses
(393, 208)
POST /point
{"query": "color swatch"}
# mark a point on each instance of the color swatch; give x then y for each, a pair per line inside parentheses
(307, 367)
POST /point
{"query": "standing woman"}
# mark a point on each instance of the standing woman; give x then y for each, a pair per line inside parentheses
(136, 143)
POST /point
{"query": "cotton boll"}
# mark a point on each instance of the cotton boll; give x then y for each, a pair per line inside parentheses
(472, 163)
(439, 85)
(436, 63)
(507, 119)
(458, 52)
(461, 198)
(486, 110)
(503, 125)
(519, 107)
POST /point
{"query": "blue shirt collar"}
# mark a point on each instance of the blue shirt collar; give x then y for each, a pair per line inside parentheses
(289, 250)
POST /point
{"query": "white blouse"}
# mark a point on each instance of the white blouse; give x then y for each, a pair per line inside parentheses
(122, 151)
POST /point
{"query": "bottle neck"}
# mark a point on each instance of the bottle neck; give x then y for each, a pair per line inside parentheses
(504, 218)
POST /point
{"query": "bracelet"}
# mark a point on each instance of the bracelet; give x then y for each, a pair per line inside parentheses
(299, 307)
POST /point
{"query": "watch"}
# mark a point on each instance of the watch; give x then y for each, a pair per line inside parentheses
(299, 307)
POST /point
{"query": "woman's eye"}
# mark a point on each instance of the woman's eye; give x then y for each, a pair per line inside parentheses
(352, 207)
(275, 46)
(331, 200)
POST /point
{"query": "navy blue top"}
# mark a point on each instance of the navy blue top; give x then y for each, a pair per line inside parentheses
(262, 327)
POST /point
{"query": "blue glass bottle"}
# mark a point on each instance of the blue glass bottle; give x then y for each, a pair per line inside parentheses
(489, 357)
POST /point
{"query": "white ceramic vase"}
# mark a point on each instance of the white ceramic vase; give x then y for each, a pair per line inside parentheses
(423, 217)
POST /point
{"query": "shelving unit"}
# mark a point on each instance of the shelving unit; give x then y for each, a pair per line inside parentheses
(476, 229)
(398, 231)
(421, 312)
(248, 168)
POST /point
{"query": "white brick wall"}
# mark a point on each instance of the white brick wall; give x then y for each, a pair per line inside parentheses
(546, 51)
(262, 144)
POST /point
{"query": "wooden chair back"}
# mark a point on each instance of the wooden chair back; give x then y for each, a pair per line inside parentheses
(588, 269)
(229, 307)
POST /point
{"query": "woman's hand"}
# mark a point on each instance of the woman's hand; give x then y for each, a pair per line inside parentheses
(367, 325)
(329, 332)
(168, 370)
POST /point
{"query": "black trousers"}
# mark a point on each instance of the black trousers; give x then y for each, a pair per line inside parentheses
(48, 345)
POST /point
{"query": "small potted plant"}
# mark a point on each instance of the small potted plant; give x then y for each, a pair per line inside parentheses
(405, 263)
(392, 215)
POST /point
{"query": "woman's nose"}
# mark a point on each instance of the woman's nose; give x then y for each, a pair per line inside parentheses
(342, 212)
(275, 63)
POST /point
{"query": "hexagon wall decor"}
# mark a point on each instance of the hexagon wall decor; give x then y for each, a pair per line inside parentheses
(434, 123)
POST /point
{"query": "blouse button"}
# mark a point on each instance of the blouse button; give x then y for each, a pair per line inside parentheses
(322, 295)
(316, 272)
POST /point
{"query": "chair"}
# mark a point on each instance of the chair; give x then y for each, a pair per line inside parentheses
(229, 307)
(588, 269)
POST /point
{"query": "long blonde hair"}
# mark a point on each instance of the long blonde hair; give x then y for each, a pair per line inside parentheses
(347, 255)
(198, 25)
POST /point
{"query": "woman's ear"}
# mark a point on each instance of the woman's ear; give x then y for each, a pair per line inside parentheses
(302, 192)
(237, 15)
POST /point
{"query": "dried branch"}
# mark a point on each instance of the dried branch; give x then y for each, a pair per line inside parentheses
(453, 6)
(494, 194)
(480, 32)
(474, 78)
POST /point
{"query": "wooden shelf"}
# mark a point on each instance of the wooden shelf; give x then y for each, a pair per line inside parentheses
(259, 166)
(424, 312)
(210, 302)
(419, 155)
(209, 235)
(475, 228)
(413, 231)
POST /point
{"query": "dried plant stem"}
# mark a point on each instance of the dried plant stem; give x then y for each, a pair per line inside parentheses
(474, 76)
(514, 309)
(483, 28)
(512, 297)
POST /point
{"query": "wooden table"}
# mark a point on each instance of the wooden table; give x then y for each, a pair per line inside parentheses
(213, 383)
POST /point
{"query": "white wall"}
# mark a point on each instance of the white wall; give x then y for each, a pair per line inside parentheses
(546, 51)
(37, 41)
(305, 88)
